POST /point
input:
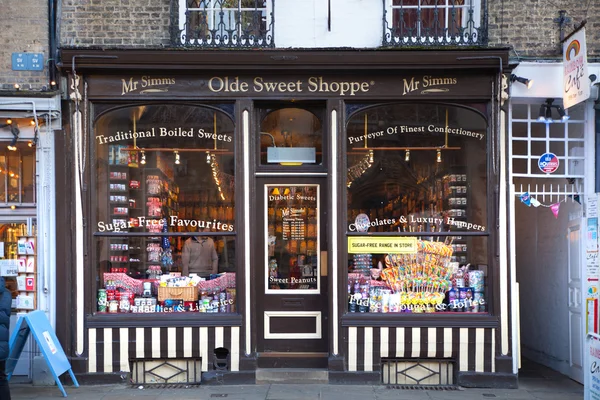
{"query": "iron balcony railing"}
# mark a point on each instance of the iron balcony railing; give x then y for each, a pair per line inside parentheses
(223, 23)
(415, 23)
(406, 23)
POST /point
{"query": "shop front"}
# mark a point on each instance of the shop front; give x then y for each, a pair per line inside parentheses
(339, 215)
(27, 127)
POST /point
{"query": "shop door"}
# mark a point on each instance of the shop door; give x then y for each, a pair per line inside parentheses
(290, 270)
(576, 320)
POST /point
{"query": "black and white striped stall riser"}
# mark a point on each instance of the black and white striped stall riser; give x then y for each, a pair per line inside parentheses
(472, 349)
(111, 349)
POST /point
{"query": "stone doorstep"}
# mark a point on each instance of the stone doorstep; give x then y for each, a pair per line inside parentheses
(292, 376)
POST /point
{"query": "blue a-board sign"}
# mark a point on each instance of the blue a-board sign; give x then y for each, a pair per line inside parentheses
(27, 61)
(36, 323)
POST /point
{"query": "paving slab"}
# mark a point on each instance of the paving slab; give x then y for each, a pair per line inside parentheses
(558, 396)
(294, 392)
(399, 394)
(550, 385)
(481, 394)
(347, 392)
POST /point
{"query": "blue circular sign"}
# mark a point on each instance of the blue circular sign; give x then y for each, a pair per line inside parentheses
(362, 222)
(548, 163)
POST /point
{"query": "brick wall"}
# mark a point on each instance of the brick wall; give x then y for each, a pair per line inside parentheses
(24, 28)
(527, 25)
(115, 23)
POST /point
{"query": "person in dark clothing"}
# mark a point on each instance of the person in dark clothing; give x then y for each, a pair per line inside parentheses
(5, 303)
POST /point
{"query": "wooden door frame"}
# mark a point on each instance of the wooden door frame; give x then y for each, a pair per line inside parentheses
(258, 269)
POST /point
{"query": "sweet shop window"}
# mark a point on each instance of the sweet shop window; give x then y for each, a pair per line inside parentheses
(165, 210)
(417, 221)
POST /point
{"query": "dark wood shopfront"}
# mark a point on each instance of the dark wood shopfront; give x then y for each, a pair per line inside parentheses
(299, 317)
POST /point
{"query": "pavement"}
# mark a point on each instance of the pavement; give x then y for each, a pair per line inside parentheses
(535, 383)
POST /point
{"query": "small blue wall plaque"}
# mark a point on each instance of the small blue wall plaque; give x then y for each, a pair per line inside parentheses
(27, 61)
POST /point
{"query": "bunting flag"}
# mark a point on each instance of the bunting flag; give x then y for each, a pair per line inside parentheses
(529, 201)
(526, 199)
(554, 207)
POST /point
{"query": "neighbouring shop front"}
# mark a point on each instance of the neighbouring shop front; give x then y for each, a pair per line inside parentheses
(339, 215)
(27, 241)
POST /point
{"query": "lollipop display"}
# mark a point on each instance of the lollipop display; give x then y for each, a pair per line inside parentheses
(418, 282)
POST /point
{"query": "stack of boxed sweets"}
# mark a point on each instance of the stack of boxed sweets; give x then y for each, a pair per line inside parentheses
(467, 291)
(359, 283)
(182, 294)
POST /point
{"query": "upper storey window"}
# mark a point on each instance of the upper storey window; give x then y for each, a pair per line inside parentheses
(434, 22)
(226, 23)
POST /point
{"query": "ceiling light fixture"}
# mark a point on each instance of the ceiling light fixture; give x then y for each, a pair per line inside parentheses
(177, 159)
(143, 160)
(407, 155)
(545, 114)
(561, 113)
(439, 156)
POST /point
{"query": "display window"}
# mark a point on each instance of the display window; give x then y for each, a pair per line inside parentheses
(18, 174)
(417, 221)
(165, 210)
(290, 137)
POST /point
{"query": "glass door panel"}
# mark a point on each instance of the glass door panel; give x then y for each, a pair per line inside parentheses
(292, 240)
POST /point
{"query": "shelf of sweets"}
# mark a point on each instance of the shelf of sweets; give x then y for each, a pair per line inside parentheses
(121, 280)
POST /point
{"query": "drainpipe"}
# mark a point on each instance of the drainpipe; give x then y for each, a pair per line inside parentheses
(597, 135)
(52, 43)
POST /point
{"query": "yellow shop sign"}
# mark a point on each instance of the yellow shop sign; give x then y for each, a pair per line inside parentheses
(382, 245)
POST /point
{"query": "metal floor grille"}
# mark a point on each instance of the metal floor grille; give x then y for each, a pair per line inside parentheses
(166, 373)
(422, 387)
(430, 374)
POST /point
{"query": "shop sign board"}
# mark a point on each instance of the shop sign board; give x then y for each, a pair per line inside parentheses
(435, 85)
(9, 267)
(592, 264)
(592, 368)
(576, 87)
(382, 245)
(37, 324)
(548, 163)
